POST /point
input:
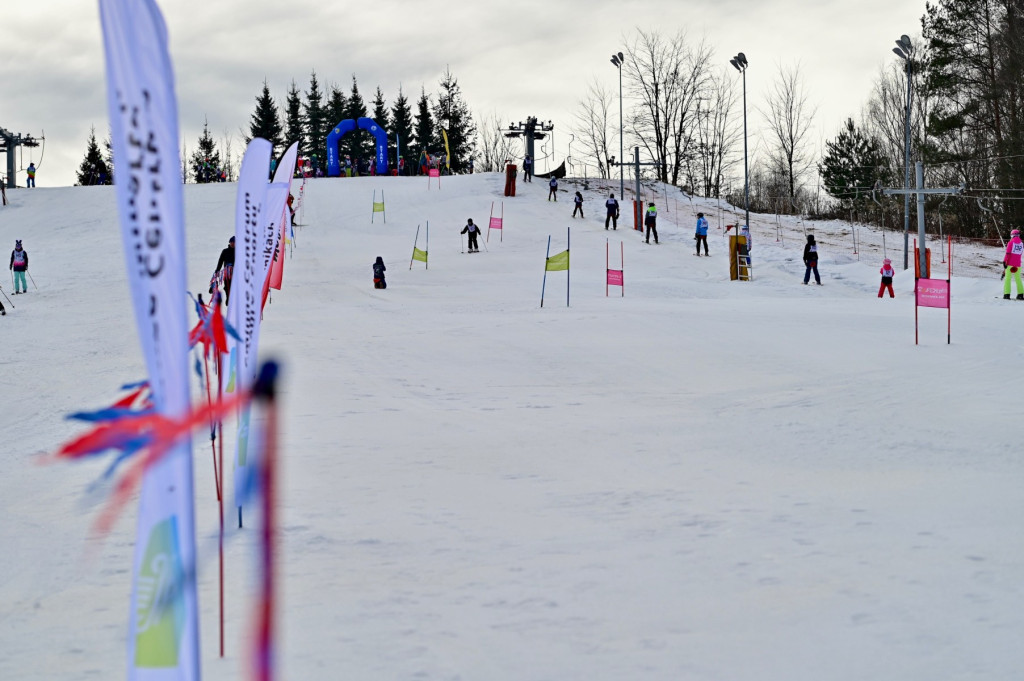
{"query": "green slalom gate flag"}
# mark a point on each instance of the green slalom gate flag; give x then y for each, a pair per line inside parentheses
(417, 254)
(378, 207)
(558, 262)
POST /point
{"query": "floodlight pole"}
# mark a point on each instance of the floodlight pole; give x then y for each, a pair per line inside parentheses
(618, 60)
(740, 63)
(903, 50)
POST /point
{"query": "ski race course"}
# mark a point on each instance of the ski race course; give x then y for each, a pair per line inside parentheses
(704, 479)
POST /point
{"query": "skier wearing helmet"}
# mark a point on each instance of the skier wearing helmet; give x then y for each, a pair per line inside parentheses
(887, 273)
(1011, 261)
(651, 221)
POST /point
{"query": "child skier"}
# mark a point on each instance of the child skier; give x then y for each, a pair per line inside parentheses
(473, 231)
(378, 273)
(811, 260)
(19, 264)
(553, 188)
(887, 273)
(578, 201)
(1011, 261)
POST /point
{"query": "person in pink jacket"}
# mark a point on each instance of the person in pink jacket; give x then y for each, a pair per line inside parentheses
(1011, 261)
(887, 273)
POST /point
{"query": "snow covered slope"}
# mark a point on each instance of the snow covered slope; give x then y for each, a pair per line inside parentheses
(701, 480)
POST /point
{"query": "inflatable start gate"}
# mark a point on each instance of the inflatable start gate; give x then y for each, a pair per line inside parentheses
(347, 126)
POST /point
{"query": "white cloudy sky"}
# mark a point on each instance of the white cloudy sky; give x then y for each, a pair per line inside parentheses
(515, 58)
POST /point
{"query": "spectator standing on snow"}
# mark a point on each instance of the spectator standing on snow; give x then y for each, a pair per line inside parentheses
(527, 169)
(378, 273)
(702, 233)
(613, 212)
(1011, 261)
(578, 201)
(473, 231)
(887, 273)
(225, 270)
(19, 265)
(651, 222)
(30, 181)
(553, 188)
(811, 260)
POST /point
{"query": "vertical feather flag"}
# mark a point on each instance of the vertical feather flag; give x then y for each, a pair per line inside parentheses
(250, 273)
(163, 633)
(447, 150)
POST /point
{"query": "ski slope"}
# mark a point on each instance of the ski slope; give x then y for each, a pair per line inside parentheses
(703, 479)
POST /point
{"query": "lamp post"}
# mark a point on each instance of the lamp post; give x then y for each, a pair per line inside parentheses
(740, 62)
(618, 60)
(903, 50)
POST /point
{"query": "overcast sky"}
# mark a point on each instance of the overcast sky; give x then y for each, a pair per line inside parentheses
(529, 57)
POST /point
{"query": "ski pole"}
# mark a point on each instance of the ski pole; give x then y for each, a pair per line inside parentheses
(34, 285)
(5, 296)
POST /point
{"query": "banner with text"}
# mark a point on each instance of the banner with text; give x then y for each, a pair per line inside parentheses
(163, 634)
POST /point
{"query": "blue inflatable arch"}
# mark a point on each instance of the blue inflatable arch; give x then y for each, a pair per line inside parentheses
(347, 126)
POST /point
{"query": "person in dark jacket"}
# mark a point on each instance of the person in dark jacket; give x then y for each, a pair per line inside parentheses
(225, 270)
(378, 273)
(811, 260)
(19, 264)
(578, 201)
(473, 231)
(613, 212)
(651, 222)
(553, 188)
(527, 169)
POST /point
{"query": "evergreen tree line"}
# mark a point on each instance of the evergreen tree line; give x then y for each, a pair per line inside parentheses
(309, 116)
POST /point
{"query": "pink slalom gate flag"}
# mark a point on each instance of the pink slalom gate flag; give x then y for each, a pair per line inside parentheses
(615, 277)
(933, 293)
(495, 223)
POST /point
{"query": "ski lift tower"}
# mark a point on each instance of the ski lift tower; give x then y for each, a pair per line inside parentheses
(9, 142)
(531, 130)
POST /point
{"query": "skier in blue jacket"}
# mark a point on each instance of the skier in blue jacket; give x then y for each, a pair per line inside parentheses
(702, 233)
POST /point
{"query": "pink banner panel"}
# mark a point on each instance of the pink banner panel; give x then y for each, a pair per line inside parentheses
(933, 293)
(434, 172)
(615, 277)
(495, 223)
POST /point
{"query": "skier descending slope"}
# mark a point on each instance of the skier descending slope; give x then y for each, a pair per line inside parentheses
(473, 231)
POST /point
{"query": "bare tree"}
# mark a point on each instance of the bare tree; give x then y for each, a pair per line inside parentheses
(668, 78)
(492, 145)
(789, 116)
(718, 133)
(591, 125)
(227, 153)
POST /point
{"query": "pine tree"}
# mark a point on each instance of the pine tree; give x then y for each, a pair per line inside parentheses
(424, 132)
(293, 120)
(93, 167)
(358, 142)
(453, 115)
(317, 124)
(206, 162)
(401, 127)
(265, 121)
(853, 162)
(336, 112)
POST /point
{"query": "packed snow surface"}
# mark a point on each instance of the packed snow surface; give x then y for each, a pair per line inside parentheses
(704, 479)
